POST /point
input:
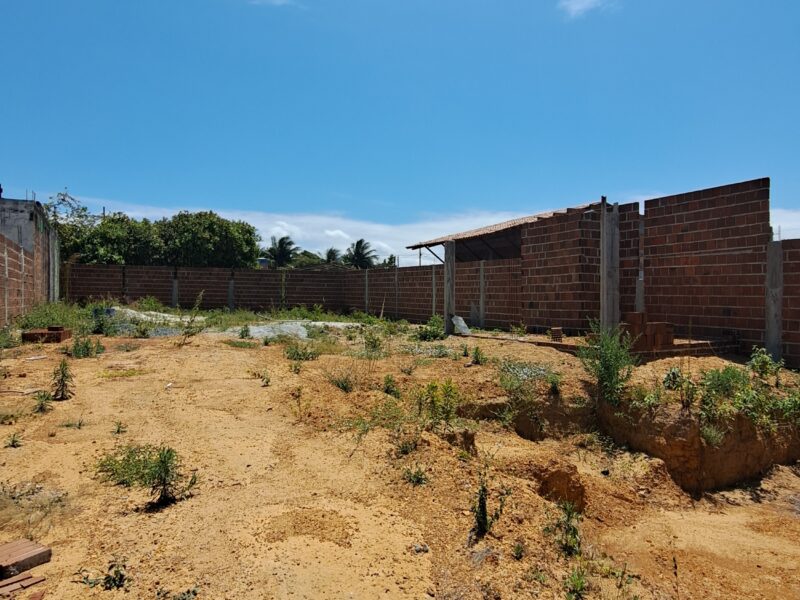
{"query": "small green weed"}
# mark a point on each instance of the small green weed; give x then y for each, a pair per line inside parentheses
(390, 386)
(518, 551)
(295, 367)
(14, 441)
(244, 332)
(243, 344)
(416, 476)
(565, 528)
(342, 380)
(62, 381)
(606, 356)
(484, 521)
(44, 402)
(115, 578)
(478, 356)
(119, 428)
(74, 424)
(576, 584)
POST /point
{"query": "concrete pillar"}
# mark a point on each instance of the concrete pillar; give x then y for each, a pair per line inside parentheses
(396, 292)
(5, 286)
(482, 296)
(433, 289)
(174, 288)
(609, 265)
(231, 293)
(774, 320)
(449, 285)
(366, 291)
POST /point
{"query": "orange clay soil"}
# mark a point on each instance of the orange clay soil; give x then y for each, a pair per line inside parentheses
(290, 503)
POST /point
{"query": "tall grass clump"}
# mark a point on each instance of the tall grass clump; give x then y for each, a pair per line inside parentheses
(62, 381)
(158, 468)
(607, 358)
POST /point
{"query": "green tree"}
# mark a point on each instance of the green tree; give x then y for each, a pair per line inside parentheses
(118, 239)
(282, 251)
(204, 239)
(360, 255)
(389, 261)
(306, 258)
(332, 256)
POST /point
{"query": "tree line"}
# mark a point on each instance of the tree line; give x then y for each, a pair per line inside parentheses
(199, 239)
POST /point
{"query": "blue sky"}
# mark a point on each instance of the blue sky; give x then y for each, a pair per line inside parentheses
(396, 120)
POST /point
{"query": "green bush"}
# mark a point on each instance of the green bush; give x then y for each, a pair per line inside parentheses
(156, 468)
(433, 330)
(300, 352)
(576, 584)
(44, 402)
(762, 365)
(84, 347)
(244, 332)
(48, 314)
(565, 528)
(343, 380)
(478, 356)
(607, 358)
(390, 386)
(437, 403)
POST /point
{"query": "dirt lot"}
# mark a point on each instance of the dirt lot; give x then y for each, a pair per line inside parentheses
(292, 503)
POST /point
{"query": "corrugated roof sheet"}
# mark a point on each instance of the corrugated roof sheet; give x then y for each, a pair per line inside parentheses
(489, 229)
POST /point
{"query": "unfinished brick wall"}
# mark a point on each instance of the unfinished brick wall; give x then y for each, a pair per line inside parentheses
(86, 282)
(308, 288)
(502, 289)
(705, 260)
(257, 289)
(629, 220)
(790, 311)
(139, 282)
(560, 270)
(17, 279)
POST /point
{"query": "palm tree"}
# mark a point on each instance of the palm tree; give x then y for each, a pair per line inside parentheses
(360, 255)
(332, 255)
(282, 251)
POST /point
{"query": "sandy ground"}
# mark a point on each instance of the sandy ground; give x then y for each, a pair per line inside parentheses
(290, 505)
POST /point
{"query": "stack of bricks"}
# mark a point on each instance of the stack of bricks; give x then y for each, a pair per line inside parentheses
(648, 336)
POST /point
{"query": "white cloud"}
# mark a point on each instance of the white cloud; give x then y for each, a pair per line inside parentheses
(785, 223)
(577, 8)
(317, 232)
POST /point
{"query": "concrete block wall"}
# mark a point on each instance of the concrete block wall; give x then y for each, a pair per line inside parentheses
(17, 280)
(790, 311)
(629, 238)
(560, 270)
(501, 292)
(308, 288)
(257, 289)
(705, 260)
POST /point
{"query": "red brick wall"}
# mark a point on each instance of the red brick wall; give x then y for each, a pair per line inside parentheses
(308, 288)
(629, 220)
(257, 289)
(502, 284)
(705, 260)
(149, 281)
(84, 282)
(560, 270)
(790, 310)
(17, 288)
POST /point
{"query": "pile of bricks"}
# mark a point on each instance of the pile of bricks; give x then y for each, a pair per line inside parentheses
(648, 336)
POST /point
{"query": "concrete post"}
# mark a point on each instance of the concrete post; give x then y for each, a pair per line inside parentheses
(774, 319)
(609, 265)
(231, 293)
(366, 291)
(175, 288)
(5, 287)
(396, 293)
(433, 289)
(449, 285)
(482, 296)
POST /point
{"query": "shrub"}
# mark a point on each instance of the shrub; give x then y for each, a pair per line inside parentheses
(157, 468)
(13, 441)
(673, 379)
(478, 356)
(608, 359)
(141, 329)
(193, 325)
(295, 367)
(390, 386)
(437, 403)
(520, 330)
(518, 551)
(244, 344)
(432, 330)
(554, 383)
(480, 509)
(344, 381)
(77, 318)
(115, 578)
(44, 402)
(576, 584)
(7, 339)
(244, 332)
(565, 528)
(373, 344)
(300, 352)
(415, 476)
(83, 347)
(712, 434)
(62, 381)
(762, 365)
